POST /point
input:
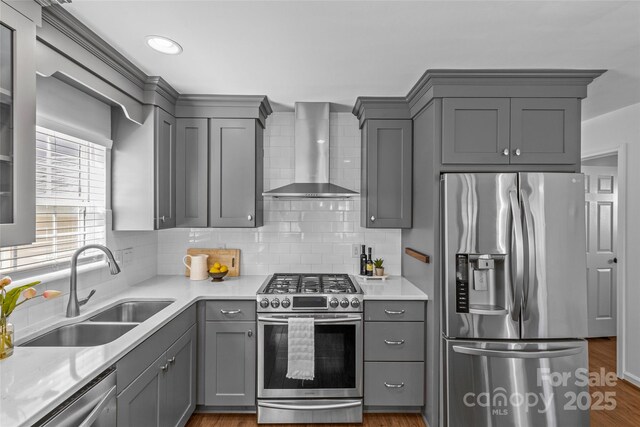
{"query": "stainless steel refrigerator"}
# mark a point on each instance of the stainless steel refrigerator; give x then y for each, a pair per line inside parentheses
(515, 300)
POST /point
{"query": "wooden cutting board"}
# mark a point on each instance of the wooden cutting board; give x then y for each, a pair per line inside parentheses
(228, 257)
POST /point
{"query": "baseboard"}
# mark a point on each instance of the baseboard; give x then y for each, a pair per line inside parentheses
(630, 378)
(203, 409)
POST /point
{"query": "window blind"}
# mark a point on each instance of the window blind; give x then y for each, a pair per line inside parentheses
(70, 203)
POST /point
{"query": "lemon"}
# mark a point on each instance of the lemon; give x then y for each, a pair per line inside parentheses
(224, 269)
(211, 270)
(216, 265)
(215, 270)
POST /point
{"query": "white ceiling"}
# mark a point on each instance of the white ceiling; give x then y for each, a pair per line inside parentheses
(337, 50)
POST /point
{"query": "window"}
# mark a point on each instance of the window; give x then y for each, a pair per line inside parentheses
(70, 203)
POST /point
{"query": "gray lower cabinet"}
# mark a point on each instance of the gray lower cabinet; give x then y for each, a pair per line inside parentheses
(394, 354)
(534, 131)
(230, 364)
(192, 178)
(156, 381)
(386, 193)
(235, 177)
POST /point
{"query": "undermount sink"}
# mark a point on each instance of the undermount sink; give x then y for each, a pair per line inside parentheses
(131, 311)
(81, 335)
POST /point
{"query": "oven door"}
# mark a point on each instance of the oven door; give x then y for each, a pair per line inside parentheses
(338, 357)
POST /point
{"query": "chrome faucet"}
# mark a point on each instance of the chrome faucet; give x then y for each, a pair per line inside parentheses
(73, 308)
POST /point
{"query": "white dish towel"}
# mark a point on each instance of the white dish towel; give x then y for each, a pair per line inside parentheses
(300, 365)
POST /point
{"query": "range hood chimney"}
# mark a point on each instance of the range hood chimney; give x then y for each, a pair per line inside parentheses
(311, 146)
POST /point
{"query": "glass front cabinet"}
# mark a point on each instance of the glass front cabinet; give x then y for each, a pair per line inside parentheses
(17, 127)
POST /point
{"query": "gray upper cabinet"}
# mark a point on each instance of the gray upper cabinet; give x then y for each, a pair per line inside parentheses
(475, 130)
(192, 180)
(386, 174)
(545, 130)
(230, 364)
(497, 131)
(17, 127)
(235, 173)
(143, 171)
(165, 141)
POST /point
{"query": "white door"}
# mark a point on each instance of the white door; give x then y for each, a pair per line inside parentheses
(601, 196)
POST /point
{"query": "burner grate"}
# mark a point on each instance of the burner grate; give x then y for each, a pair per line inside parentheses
(282, 283)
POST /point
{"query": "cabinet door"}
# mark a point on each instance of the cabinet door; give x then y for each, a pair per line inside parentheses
(17, 127)
(192, 152)
(232, 165)
(141, 404)
(388, 174)
(230, 364)
(180, 384)
(475, 130)
(545, 131)
(165, 141)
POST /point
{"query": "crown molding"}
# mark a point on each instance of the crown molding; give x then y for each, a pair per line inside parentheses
(378, 107)
(224, 106)
(441, 83)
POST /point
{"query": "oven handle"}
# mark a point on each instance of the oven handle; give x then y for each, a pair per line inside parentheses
(315, 320)
(309, 407)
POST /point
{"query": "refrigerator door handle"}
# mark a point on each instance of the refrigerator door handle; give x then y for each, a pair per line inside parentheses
(518, 354)
(519, 249)
(531, 253)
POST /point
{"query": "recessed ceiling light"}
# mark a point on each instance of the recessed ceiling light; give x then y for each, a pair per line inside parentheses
(164, 45)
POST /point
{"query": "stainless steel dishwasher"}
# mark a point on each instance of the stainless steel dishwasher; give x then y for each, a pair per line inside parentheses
(94, 405)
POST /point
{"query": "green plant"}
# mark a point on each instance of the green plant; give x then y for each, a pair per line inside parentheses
(378, 262)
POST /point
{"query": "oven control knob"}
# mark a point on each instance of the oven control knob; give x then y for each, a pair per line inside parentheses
(286, 303)
(334, 303)
(344, 303)
(275, 303)
(264, 303)
(355, 303)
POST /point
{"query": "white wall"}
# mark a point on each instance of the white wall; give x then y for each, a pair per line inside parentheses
(601, 133)
(298, 235)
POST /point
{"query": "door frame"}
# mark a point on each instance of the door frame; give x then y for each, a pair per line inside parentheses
(621, 279)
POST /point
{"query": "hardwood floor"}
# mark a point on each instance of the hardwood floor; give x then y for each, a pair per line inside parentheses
(602, 354)
(249, 420)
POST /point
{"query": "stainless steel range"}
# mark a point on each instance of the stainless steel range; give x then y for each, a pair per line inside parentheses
(334, 395)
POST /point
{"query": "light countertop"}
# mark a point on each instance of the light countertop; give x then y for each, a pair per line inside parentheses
(36, 379)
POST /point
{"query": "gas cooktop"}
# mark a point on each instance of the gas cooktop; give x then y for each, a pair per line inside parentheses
(287, 291)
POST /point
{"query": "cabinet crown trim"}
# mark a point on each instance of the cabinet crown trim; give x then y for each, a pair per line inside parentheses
(224, 106)
(378, 107)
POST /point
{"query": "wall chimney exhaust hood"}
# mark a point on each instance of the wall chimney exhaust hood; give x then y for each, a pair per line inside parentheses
(311, 146)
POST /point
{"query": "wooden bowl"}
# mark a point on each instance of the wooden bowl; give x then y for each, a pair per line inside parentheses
(217, 277)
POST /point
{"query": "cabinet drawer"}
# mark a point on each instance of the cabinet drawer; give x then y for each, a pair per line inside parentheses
(394, 341)
(231, 310)
(385, 311)
(394, 384)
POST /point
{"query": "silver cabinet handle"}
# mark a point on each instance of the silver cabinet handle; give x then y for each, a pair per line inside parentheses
(249, 217)
(172, 360)
(505, 152)
(97, 410)
(164, 367)
(230, 311)
(393, 312)
(387, 342)
(250, 333)
(517, 152)
(373, 218)
(612, 261)
(162, 218)
(387, 385)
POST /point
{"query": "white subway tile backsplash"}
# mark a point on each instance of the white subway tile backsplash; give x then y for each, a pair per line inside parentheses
(298, 235)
